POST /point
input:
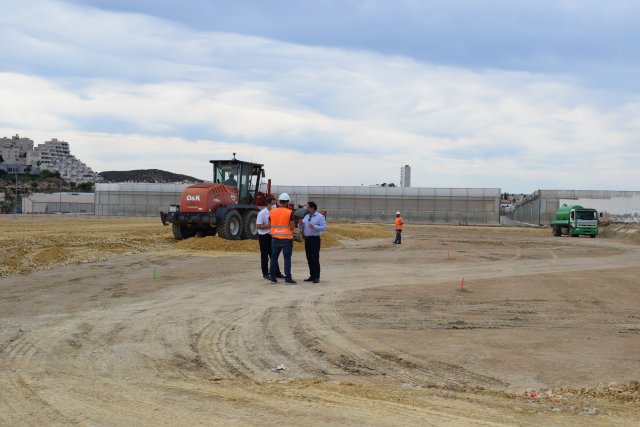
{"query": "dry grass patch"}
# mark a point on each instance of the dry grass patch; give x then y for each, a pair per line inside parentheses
(45, 242)
(42, 242)
(629, 233)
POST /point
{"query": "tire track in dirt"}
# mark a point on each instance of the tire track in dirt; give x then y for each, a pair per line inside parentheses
(220, 345)
(248, 343)
(367, 357)
(288, 340)
(227, 341)
(22, 400)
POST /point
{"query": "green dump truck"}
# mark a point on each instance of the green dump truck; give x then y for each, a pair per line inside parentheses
(574, 221)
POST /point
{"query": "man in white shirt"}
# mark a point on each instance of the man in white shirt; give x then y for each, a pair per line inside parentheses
(264, 238)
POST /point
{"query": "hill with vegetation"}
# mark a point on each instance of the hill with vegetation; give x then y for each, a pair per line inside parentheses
(146, 175)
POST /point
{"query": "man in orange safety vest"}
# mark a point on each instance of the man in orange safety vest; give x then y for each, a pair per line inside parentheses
(281, 238)
(399, 227)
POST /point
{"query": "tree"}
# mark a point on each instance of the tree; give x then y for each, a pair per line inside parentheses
(6, 207)
(46, 173)
(86, 186)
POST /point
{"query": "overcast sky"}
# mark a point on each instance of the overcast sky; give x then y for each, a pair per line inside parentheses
(518, 95)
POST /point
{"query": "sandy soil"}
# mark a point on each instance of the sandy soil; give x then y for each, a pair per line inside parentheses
(111, 323)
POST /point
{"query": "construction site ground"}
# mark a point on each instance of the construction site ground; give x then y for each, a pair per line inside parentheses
(109, 321)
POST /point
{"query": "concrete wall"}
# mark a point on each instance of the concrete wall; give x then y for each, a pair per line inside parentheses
(541, 206)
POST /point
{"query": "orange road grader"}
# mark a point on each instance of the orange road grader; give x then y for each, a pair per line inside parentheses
(228, 206)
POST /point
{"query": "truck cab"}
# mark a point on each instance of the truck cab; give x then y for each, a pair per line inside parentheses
(575, 220)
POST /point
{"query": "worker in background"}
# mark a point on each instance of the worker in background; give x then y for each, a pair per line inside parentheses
(231, 181)
(313, 225)
(399, 226)
(264, 239)
(281, 239)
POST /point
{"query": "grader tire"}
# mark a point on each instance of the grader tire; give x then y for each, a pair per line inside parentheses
(181, 232)
(231, 228)
(249, 227)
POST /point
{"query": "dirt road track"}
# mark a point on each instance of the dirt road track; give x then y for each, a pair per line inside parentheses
(387, 337)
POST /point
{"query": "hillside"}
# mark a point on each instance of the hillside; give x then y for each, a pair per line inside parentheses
(146, 175)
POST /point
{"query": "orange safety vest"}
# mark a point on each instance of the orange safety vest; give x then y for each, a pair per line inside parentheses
(399, 223)
(280, 223)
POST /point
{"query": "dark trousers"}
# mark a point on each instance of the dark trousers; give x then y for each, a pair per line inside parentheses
(286, 247)
(398, 237)
(265, 254)
(312, 249)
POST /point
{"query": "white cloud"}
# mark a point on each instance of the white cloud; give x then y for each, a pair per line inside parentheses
(129, 91)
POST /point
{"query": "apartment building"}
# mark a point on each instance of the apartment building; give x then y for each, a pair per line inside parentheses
(15, 149)
(53, 155)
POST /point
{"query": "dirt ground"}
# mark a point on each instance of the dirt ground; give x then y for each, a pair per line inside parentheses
(111, 322)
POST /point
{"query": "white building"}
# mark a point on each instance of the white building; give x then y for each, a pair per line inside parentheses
(76, 203)
(55, 156)
(15, 149)
(405, 176)
(20, 155)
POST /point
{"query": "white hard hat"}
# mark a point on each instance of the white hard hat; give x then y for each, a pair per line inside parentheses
(284, 197)
(397, 212)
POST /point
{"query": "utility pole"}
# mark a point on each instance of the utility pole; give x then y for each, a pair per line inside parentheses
(15, 205)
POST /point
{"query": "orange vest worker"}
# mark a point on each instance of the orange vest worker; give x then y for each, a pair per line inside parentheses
(281, 223)
(399, 223)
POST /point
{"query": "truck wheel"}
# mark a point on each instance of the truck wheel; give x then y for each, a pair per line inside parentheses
(249, 227)
(232, 226)
(181, 232)
(556, 230)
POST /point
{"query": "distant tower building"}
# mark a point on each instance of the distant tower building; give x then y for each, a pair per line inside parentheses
(405, 176)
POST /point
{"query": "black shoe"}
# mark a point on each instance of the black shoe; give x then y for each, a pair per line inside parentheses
(280, 276)
(273, 280)
(266, 276)
(308, 279)
(316, 280)
(290, 282)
